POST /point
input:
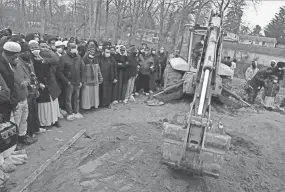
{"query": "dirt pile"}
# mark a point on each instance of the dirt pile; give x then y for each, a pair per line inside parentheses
(125, 150)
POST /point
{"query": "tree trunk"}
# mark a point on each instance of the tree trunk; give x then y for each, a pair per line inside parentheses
(50, 10)
(198, 13)
(75, 19)
(161, 23)
(107, 18)
(98, 20)
(43, 16)
(85, 19)
(24, 16)
(94, 22)
(90, 18)
(118, 20)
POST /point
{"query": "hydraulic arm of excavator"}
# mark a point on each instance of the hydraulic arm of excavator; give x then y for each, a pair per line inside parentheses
(200, 146)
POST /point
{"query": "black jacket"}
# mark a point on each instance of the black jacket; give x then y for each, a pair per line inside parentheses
(46, 75)
(71, 69)
(133, 66)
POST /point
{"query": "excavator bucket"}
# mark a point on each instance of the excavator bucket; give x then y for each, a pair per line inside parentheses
(206, 158)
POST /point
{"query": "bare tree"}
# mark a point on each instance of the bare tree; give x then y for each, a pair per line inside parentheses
(43, 16)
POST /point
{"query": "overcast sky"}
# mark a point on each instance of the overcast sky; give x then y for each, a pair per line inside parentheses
(264, 12)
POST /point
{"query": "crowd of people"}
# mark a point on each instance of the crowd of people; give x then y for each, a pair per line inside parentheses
(269, 79)
(44, 80)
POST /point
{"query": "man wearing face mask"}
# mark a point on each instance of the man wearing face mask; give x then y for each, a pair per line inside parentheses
(145, 71)
(122, 76)
(162, 56)
(100, 46)
(51, 43)
(154, 69)
(26, 63)
(71, 68)
(132, 73)
(22, 82)
(45, 62)
(279, 71)
(251, 71)
(108, 69)
(7, 65)
(59, 48)
(61, 99)
(92, 78)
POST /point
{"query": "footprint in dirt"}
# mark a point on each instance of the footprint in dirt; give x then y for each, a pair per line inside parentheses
(245, 142)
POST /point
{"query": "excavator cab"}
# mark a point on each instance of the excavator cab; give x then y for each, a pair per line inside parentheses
(200, 145)
(190, 44)
(191, 51)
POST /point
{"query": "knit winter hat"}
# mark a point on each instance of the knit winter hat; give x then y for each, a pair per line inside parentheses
(12, 47)
(34, 45)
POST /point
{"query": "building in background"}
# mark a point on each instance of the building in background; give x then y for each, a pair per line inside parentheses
(231, 37)
(257, 40)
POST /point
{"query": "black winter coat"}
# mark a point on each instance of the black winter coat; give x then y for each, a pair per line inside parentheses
(133, 66)
(124, 67)
(71, 69)
(46, 75)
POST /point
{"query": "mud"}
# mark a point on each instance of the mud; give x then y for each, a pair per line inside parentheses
(126, 158)
(122, 149)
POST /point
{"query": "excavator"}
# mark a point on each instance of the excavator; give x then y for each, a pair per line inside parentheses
(200, 145)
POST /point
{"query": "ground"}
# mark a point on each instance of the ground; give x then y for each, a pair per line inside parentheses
(122, 149)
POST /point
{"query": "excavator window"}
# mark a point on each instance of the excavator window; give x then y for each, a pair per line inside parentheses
(184, 45)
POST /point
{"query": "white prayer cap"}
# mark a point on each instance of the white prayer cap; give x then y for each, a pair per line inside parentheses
(58, 43)
(12, 47)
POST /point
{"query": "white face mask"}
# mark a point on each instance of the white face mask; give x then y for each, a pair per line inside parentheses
(202, 42)
(73, 51)
(59, 50)
(36, 52)
(153, 52)
(91, 56)
(100, 47)
(275, 81)
(107, 54)
(37, 39)
(161, 51)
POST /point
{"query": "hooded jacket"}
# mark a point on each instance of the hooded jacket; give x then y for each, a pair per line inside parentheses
(250, 73)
